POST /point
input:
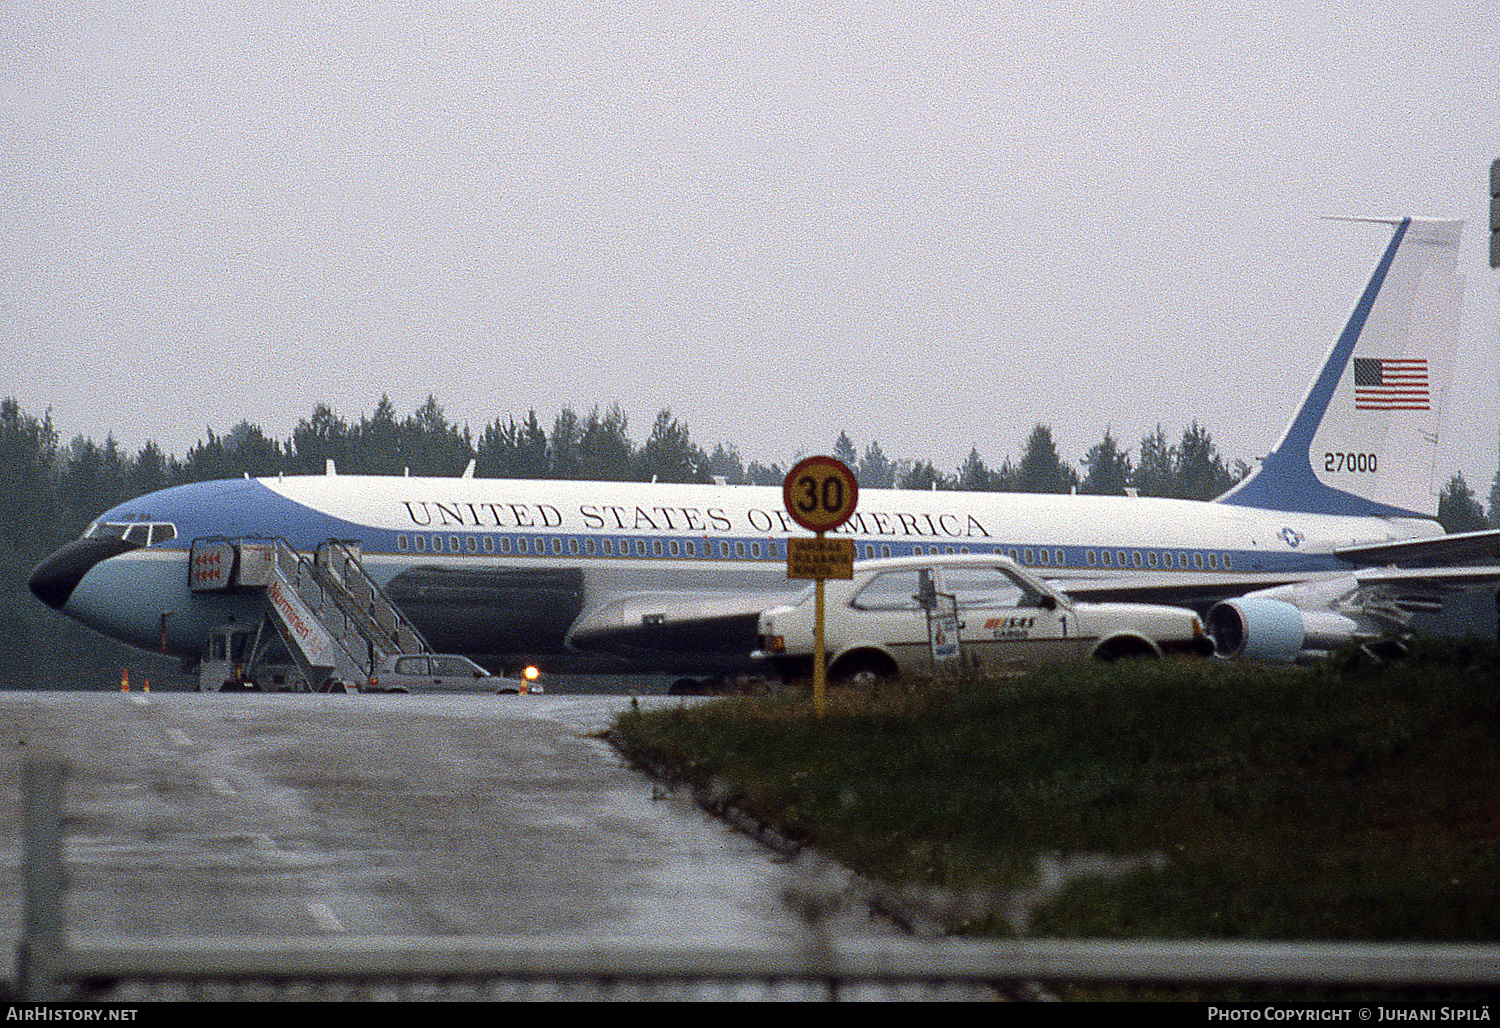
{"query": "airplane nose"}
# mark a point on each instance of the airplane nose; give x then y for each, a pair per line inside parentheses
(55, 578)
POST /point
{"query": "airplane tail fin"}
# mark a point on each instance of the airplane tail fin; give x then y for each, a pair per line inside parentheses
(1364, 440)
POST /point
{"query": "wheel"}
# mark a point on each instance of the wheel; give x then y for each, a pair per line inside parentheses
(1125, 648)
(863, 669)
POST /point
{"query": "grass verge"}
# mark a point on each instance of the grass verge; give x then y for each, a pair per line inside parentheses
(1346, 801)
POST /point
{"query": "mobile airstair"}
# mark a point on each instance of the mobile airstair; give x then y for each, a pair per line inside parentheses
(334, 620)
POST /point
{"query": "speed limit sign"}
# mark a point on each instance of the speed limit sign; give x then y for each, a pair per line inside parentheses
(820, 493)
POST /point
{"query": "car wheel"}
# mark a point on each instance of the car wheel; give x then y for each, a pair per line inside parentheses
(863, 670)
(1127, 648)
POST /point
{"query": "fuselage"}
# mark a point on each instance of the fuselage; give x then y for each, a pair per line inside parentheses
(508, 568)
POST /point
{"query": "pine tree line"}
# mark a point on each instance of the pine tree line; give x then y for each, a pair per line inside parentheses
(52, 491)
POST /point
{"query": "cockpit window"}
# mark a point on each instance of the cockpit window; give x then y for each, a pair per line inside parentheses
(142, 532)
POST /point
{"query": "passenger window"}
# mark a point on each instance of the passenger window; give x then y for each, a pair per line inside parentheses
(411, 666)
(894, 590)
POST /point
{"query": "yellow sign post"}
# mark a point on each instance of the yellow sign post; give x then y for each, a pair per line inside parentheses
(820, 494)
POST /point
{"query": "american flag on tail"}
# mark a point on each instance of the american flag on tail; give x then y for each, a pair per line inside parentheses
(1391, 383)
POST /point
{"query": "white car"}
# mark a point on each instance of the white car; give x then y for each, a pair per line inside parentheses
(442, 672)
(889, 620)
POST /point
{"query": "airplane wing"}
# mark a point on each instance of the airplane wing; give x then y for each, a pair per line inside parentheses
(1409, 563)
(1254, 617)
(1475, 577)
(1433, 550)
(1184, 588)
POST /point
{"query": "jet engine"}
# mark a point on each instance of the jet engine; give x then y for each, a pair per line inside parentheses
(1275, 631)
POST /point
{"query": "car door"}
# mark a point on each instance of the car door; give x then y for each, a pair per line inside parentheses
(887, 611)
(452, 673)
(1006, 623)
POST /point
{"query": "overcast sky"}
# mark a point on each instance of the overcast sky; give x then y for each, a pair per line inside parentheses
(928, 224)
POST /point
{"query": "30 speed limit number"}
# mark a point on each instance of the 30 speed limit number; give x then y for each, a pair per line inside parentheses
(820, 493)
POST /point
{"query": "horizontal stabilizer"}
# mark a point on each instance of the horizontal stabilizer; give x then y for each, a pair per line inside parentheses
(1441, 579)
(1432, 551)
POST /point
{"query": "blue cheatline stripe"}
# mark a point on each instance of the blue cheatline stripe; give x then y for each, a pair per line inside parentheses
(1285, 480)
(569, 547)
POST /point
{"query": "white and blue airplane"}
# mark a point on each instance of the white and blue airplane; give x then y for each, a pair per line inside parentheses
(1331, 537)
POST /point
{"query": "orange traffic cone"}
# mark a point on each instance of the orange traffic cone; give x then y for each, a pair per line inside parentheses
(124, 679)
(146, 686)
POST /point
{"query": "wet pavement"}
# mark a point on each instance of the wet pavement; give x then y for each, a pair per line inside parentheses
(210, 814)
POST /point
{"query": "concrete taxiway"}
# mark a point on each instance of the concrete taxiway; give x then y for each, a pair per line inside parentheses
(293, 815)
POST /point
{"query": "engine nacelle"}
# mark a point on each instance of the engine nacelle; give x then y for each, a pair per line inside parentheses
(1274, 631)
